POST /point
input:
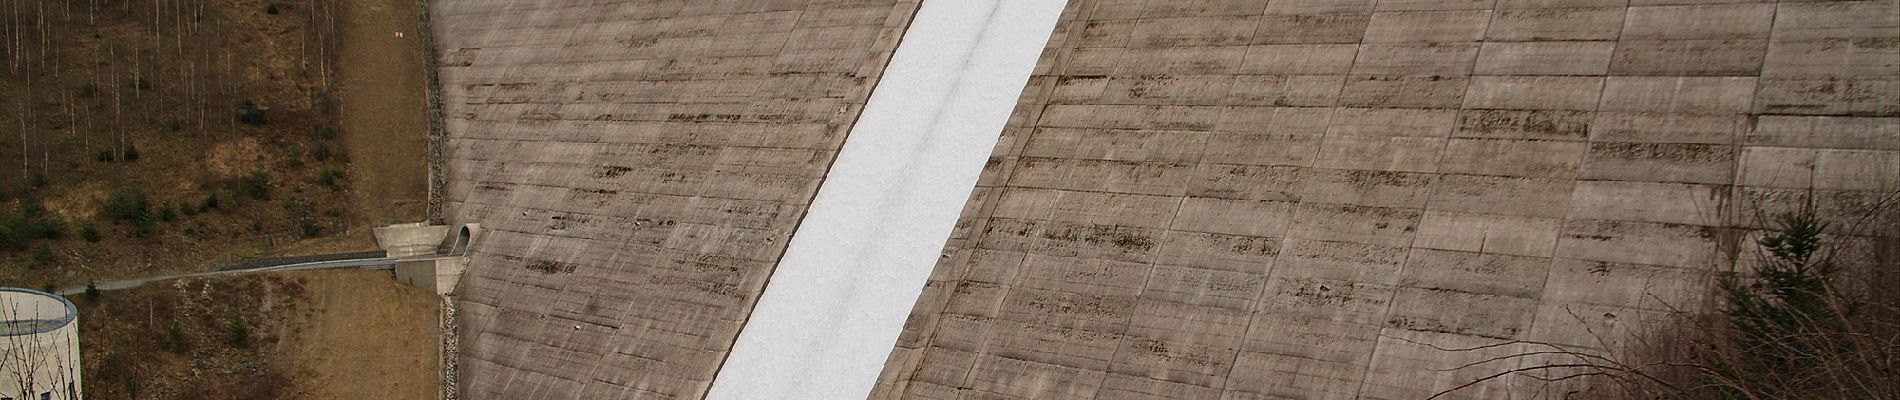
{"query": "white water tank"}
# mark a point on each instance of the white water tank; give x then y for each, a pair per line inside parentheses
(39, 346)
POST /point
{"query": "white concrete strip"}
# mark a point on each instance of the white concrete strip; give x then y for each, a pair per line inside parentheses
(839, 297)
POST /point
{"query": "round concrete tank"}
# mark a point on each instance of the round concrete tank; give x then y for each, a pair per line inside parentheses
(39, 346)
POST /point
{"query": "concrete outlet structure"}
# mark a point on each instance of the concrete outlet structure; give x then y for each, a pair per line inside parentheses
(413, 239)
(39, 346)
(1207, 199)
(431, 257)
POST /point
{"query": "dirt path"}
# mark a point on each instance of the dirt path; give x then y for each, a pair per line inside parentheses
(383, 111)
(369, 336)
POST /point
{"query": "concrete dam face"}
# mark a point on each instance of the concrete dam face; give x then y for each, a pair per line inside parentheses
(1121, 199)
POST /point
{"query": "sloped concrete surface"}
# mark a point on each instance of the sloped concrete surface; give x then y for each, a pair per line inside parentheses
(1312, 199)
(637, 168)
(832, 310)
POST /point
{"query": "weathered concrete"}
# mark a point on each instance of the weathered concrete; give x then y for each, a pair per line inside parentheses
(413, 239)
(1224, 199)
(39, 344)
(1221, 199)
(437, 275)
(638, 168)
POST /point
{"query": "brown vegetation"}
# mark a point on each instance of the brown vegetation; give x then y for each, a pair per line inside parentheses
(217, 113)
(280, 336)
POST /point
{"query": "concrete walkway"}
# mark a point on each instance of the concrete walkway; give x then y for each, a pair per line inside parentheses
(365, 263)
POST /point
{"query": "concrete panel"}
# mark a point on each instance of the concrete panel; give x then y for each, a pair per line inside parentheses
(1683, 95)
(1599, 23)
(1826, 132)
(1403, 91)
(1545, 58)
(1690, 57)
(1310, 59)
(1712, 21)
(1660, 162)
(1416, 59)
(1512, 157)
(1534, 92)
(1311, 28)
(1427, 26)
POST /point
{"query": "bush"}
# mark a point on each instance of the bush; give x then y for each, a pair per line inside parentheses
(331, 178)
(43, 255)
(92, 290)
(210, 203)
(271, 9)
(33, 222)
(131, 153)
(321, 154)
(127, 203)
(294, 157)
(249, 113)
(257, 186)
(36, 223)
(90, 233)
(144, 226)
(175, 338)
(166, 213)
(106, 156)
(309, 227)
(237, 333)
(11, 240)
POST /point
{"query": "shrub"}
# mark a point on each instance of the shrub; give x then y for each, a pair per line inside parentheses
(166, 213)
(131, 153)
(294, 157)
(331, 178)
(257, 186)
(43, 255)
(309, 227)
(210, 203)
(321, 154)
(271, 9)
(105, 156)
(127, 203)
(90, 233)
(175, 338)
(11, 240)
(237, 333)
(249, 113)
(36, 223)
(144, 226)
(92, 290)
